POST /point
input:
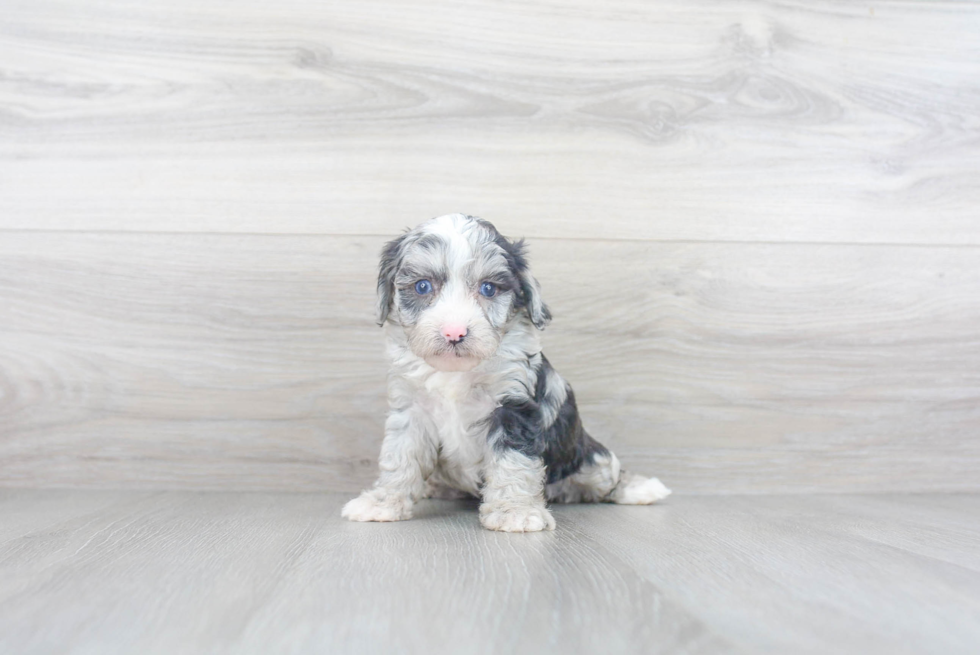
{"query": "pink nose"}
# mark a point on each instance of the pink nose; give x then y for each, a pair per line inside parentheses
(454, 332)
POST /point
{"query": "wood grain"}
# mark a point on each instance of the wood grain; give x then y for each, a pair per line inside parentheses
(210, 361)
(681, 120)
(817, 573)
(264, 572)
(192, 197)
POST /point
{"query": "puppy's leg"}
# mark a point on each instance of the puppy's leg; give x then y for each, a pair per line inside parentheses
(633, 489)
(592, 483)
(602, 480)
(408, 457)
(513, 493)
(636, 489)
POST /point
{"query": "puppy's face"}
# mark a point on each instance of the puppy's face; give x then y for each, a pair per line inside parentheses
(455, 285)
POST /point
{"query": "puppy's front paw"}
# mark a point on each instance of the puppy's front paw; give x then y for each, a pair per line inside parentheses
(516, 518)
(377, 505)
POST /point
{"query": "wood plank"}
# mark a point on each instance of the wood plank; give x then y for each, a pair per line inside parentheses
(683, 120)
(796, 574)
(270, 572)
(209, 361)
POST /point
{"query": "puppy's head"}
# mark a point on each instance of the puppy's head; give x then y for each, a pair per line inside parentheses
(456, 286)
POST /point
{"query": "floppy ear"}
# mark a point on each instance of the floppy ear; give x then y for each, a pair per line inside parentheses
(391, 256)
(529, 293)
(533, 305)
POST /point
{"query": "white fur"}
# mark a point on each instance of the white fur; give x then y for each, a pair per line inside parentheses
(378, 505)
(456, 407)
(513, 498)
(638, 490)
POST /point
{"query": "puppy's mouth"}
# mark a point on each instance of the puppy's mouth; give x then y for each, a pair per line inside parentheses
(452, 359)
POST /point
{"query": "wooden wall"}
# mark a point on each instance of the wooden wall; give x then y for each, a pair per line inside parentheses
(756, 224)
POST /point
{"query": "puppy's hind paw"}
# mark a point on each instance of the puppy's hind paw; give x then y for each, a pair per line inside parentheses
(510, 518)
(637, 490)
(376, 505)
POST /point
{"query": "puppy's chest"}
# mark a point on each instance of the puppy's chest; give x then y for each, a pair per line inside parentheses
(458, 409)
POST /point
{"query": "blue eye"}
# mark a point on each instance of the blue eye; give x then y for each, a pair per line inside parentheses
(423, 287)
(488, 289)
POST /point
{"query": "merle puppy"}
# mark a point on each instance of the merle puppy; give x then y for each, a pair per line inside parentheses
(475, 407)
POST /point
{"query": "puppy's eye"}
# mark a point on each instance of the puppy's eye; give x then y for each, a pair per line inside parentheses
(488, 289)
(423, 287)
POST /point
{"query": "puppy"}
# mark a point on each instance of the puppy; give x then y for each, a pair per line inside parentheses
(475, 407)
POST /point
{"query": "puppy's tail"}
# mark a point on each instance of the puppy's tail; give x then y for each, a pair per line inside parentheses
(637, 490)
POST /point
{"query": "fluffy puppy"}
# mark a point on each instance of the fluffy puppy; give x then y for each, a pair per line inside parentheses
(475, 407)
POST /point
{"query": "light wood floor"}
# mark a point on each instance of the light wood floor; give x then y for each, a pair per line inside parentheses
(188, 572)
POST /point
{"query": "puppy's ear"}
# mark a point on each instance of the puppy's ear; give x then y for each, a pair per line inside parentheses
(529, 293)
(535, 307)
(391, 256)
